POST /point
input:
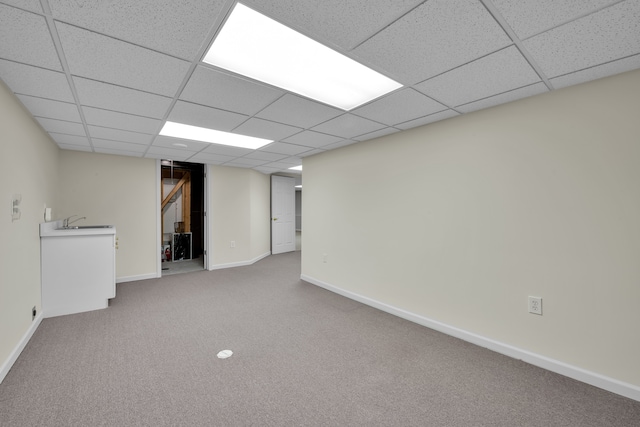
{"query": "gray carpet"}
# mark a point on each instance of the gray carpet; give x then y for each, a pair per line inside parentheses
(301, 356)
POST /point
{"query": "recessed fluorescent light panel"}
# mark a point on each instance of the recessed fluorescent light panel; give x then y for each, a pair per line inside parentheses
(296, 168)
(179, 130)
(259, 47)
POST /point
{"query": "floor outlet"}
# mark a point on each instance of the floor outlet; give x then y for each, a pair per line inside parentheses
(535, 305)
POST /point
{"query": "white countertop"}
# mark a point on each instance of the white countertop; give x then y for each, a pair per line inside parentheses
(54, 229)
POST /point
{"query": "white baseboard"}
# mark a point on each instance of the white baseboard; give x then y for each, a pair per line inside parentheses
(136, 278)
(6, 366)
(239, 263)
(601, 381)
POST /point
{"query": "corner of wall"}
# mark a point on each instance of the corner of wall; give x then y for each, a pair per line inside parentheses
(31, 171)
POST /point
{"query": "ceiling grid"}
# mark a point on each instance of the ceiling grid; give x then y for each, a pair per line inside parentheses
(128, 67)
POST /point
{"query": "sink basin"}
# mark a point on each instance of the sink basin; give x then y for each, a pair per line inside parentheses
(84, 227)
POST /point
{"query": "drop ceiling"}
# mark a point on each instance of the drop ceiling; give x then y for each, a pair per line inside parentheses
(104, 76)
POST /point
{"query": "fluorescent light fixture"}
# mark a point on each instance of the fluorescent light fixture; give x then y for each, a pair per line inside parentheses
(179, 130)
(296, 168)
(256, 46)
(298, 186)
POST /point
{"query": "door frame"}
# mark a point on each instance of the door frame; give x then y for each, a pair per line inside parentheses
(158, 218)
(291, 246)
(205, 227)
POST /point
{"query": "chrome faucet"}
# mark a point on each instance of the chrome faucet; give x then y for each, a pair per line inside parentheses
(66, 223)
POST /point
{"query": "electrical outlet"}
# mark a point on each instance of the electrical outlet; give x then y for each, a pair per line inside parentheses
(324, 258)
(535, 305)
(233, 243)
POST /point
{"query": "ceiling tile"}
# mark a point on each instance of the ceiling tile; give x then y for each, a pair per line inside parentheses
(212, 159)
(496, 73)
(280, 166)
(119, 135)
(219, 90)
(117, 98)
(182, 144)
(25, 38)
(117, 152)
(199, 115)
(225, 150)
(435, 37)
(502, 98)
(343, 143)
(284, 148)
(292, 160)
(61, 138)
(597, 72)
(234, 164)
(595, 39)
(296, 111)
(266, 129)
(341, 23)
(32, 5)
(313, 139)
(102, 58)
(176, 28)
(40, 107)
(398, 107)
(59, 126)
(168, 153)
(75, 147)
(118, 145)
(376, 134)
(529, 17)
(248, 162)
(348, 126)
(312, 152)
(35, 81)
(427, 119)
(268, 157)
(112, 119)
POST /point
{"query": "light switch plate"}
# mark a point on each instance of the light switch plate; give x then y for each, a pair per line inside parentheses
(16, 199)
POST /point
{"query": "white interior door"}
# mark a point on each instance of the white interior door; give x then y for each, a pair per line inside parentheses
(283, 214)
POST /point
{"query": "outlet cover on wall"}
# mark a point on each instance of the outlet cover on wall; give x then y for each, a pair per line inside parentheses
(535, 305)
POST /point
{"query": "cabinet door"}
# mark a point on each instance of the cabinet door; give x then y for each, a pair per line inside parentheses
(78, 273)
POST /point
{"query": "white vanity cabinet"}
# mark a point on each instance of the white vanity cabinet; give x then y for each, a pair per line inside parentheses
(78, 268)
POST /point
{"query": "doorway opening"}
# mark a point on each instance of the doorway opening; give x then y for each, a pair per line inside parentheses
(183, 216)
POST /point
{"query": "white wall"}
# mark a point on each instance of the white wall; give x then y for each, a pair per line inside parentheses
(260, 214)
(115, 190)
(238, 198)
(29, 167)
(461, 220)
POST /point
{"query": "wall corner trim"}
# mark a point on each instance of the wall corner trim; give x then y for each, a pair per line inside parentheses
(239, 263)
(6, 366)
(592, 378)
